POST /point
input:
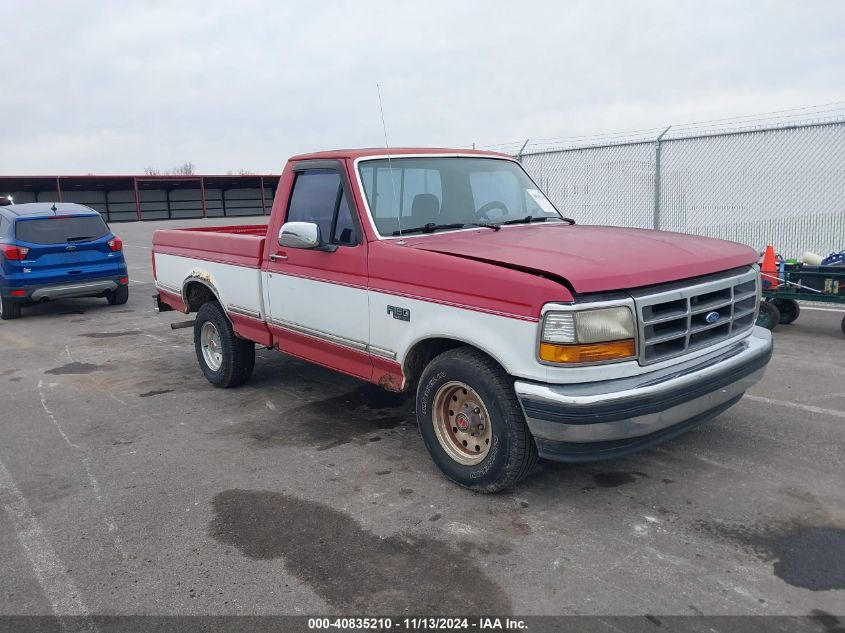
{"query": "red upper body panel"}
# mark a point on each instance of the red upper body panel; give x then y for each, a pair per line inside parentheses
(593, 258)
(468, 267)
(242, 245)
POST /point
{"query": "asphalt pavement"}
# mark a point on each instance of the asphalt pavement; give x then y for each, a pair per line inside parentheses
(129, 485)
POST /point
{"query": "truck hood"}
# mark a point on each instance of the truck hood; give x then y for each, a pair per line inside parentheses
(593, 258)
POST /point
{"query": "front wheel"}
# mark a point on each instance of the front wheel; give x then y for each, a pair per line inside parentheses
(226, 359)
(471, 422)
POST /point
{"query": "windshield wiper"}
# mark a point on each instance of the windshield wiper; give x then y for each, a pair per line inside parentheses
(431, 227)
(486, 225)
(528, 219)
(80, 238)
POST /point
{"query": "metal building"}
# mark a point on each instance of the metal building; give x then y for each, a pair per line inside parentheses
(129, 198)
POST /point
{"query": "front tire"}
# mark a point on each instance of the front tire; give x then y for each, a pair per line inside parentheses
(471, 422)
(9, 310)
(118, 297)
(226, 359)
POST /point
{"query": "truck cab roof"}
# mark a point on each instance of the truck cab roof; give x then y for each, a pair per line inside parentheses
(45, 209)
(393, 151)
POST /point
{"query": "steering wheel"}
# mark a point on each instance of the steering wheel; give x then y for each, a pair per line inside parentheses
(483, 210)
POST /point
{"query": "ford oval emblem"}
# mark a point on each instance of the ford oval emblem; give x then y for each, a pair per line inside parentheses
(712, 317)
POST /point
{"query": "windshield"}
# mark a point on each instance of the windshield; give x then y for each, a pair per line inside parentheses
(450, 193)
(59, 230)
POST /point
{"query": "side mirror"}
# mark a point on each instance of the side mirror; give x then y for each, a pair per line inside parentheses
(303, 235)
(299, 235)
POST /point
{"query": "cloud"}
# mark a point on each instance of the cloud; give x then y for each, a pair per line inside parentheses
(111, 87)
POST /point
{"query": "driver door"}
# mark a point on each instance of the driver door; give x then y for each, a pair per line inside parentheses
(317, 299)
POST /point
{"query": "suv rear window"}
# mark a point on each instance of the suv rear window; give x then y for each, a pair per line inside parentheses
(61, 230)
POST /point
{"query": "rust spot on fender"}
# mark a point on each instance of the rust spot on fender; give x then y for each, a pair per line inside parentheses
(388, 381)
(201, 275)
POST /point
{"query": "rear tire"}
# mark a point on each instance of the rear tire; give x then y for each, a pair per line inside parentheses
(9, 310)
(118, 297)
(226, 359)
(789, 310)
(843, 325)
(465, 388)
(769, 316)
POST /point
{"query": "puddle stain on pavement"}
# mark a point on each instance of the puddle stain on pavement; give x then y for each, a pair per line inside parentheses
(357, 415)
(77, 368)
(350, 567)
(803, 555)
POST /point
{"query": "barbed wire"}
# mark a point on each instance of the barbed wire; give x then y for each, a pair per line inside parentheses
(830, 112)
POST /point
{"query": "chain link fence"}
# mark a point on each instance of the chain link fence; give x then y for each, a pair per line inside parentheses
(781, 184)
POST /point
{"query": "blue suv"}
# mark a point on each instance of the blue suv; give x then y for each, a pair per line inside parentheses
(57, 250)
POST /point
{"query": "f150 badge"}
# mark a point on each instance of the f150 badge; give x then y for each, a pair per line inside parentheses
(403, 314)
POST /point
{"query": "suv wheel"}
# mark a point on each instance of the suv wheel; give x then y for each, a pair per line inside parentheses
(118, 297)
(9, 310)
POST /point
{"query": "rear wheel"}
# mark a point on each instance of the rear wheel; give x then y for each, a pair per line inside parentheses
(843, 325)
(769, 316)
(789, 310)
(9, 310)
(471, 421)
(226, 359)
(118, 297)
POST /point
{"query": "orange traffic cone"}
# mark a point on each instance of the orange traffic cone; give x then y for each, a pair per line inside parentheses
(769, 269)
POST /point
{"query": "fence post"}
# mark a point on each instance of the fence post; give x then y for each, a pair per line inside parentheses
(657, 178)
(522, 149)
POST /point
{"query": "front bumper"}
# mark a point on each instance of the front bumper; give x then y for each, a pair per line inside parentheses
(602, 420)
(75, 288)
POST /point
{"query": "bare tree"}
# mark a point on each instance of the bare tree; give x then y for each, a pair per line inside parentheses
(185, 169)
(152, 171)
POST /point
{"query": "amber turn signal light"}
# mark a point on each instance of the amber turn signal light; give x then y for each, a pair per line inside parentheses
(587, 353)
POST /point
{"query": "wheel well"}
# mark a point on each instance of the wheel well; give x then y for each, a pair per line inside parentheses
(196, 294)
(422, 353)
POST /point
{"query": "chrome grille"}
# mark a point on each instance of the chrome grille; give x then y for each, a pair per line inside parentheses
(673, 319)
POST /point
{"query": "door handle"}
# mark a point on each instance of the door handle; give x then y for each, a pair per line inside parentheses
(277, 256)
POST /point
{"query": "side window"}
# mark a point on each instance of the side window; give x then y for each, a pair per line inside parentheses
(314, 199)
(318, 197)
(4, 227)
(344, 230)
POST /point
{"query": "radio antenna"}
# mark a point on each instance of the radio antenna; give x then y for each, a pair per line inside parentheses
(389, 163)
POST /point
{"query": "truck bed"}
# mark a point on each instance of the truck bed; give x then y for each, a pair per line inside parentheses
(242, 245)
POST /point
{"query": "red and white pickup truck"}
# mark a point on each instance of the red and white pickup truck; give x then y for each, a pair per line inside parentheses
(448, 273)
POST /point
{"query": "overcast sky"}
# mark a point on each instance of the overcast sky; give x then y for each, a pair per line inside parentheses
(113, 87)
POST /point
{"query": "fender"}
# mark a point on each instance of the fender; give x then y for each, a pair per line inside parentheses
(204, 279)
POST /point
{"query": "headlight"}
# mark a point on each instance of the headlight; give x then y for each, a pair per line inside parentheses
(588, 336)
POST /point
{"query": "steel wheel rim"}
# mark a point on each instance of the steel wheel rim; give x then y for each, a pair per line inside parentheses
(462, 423)
(212, 352)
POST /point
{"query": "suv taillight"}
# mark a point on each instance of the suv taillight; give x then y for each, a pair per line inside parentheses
(13, 253)
(116, 244)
